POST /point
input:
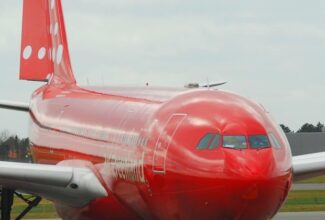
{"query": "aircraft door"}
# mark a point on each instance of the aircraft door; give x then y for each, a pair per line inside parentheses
(164, 141)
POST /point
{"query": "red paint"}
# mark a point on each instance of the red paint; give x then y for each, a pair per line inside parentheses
(44, 46)
(180, 182)
(141, 142)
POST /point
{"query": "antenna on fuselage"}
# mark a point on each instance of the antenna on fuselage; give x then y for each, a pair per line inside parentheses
(207, 85)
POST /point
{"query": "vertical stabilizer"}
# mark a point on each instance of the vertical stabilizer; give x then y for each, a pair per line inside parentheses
(44, 46)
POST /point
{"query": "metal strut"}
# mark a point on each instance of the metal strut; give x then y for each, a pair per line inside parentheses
(7, 198)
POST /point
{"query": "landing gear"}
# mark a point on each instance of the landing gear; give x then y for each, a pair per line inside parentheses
(7, 198)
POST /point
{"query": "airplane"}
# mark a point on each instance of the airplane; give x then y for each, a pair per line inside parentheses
(143, 152)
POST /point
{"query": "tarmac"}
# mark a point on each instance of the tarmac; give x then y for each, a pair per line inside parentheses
(283, 216)
(303, 215)
(308, 187)
(300, 216)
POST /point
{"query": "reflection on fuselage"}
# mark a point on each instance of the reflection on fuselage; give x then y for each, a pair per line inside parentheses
(148, 146)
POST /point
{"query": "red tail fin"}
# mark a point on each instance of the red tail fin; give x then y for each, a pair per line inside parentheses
(44, 46)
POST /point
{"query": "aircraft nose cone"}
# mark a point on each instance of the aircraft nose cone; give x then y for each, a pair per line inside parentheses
(256, 199)
(240, 184)
(250, 164)
(257, 186)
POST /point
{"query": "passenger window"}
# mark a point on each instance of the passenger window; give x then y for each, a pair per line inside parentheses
(258, 141)
(215, 143)
(204, 142)
(274, 141)
(236, 142)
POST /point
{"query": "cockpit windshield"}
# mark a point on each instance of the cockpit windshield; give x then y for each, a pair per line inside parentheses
(209, 141)
(204, 142)
(212, 141)
(258, 141)
(236, 142)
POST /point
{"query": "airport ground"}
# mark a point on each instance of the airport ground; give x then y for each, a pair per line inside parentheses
(305, 201)
(300, 216)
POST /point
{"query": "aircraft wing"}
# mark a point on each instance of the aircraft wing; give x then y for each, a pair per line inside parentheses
(308, 165)
(18, 106)
(72, 186)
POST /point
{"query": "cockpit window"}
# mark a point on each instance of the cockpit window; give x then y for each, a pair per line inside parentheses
(204, 142)
(236, 142)
(215, 142)
(209, 141)
(258, 141)
(274, 141)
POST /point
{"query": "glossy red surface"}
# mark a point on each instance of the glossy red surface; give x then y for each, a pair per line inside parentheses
(144, 148)
(142, 142)
(44, 46)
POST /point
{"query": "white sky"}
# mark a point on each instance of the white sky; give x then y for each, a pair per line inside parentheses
(271, 51)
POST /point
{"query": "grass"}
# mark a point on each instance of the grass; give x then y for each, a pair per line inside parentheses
(320, 179)
(301, 201)
(304, 201)
(45, 209)
(298, 201)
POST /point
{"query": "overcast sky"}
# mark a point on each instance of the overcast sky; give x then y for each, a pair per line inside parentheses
(270, 51)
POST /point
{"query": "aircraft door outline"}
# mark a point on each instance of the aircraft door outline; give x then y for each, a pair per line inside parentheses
(164, 141)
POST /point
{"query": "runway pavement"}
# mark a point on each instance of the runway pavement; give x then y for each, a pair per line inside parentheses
(284, 216)
(300, 216)
(308, 187)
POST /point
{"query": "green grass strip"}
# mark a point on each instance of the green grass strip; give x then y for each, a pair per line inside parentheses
(320, 179)
(298, 201)
(305, 200)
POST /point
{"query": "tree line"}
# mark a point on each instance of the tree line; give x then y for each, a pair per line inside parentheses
(307, 127)
(13, 148)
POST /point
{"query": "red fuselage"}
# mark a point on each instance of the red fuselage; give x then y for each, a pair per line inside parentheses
(143, 144)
